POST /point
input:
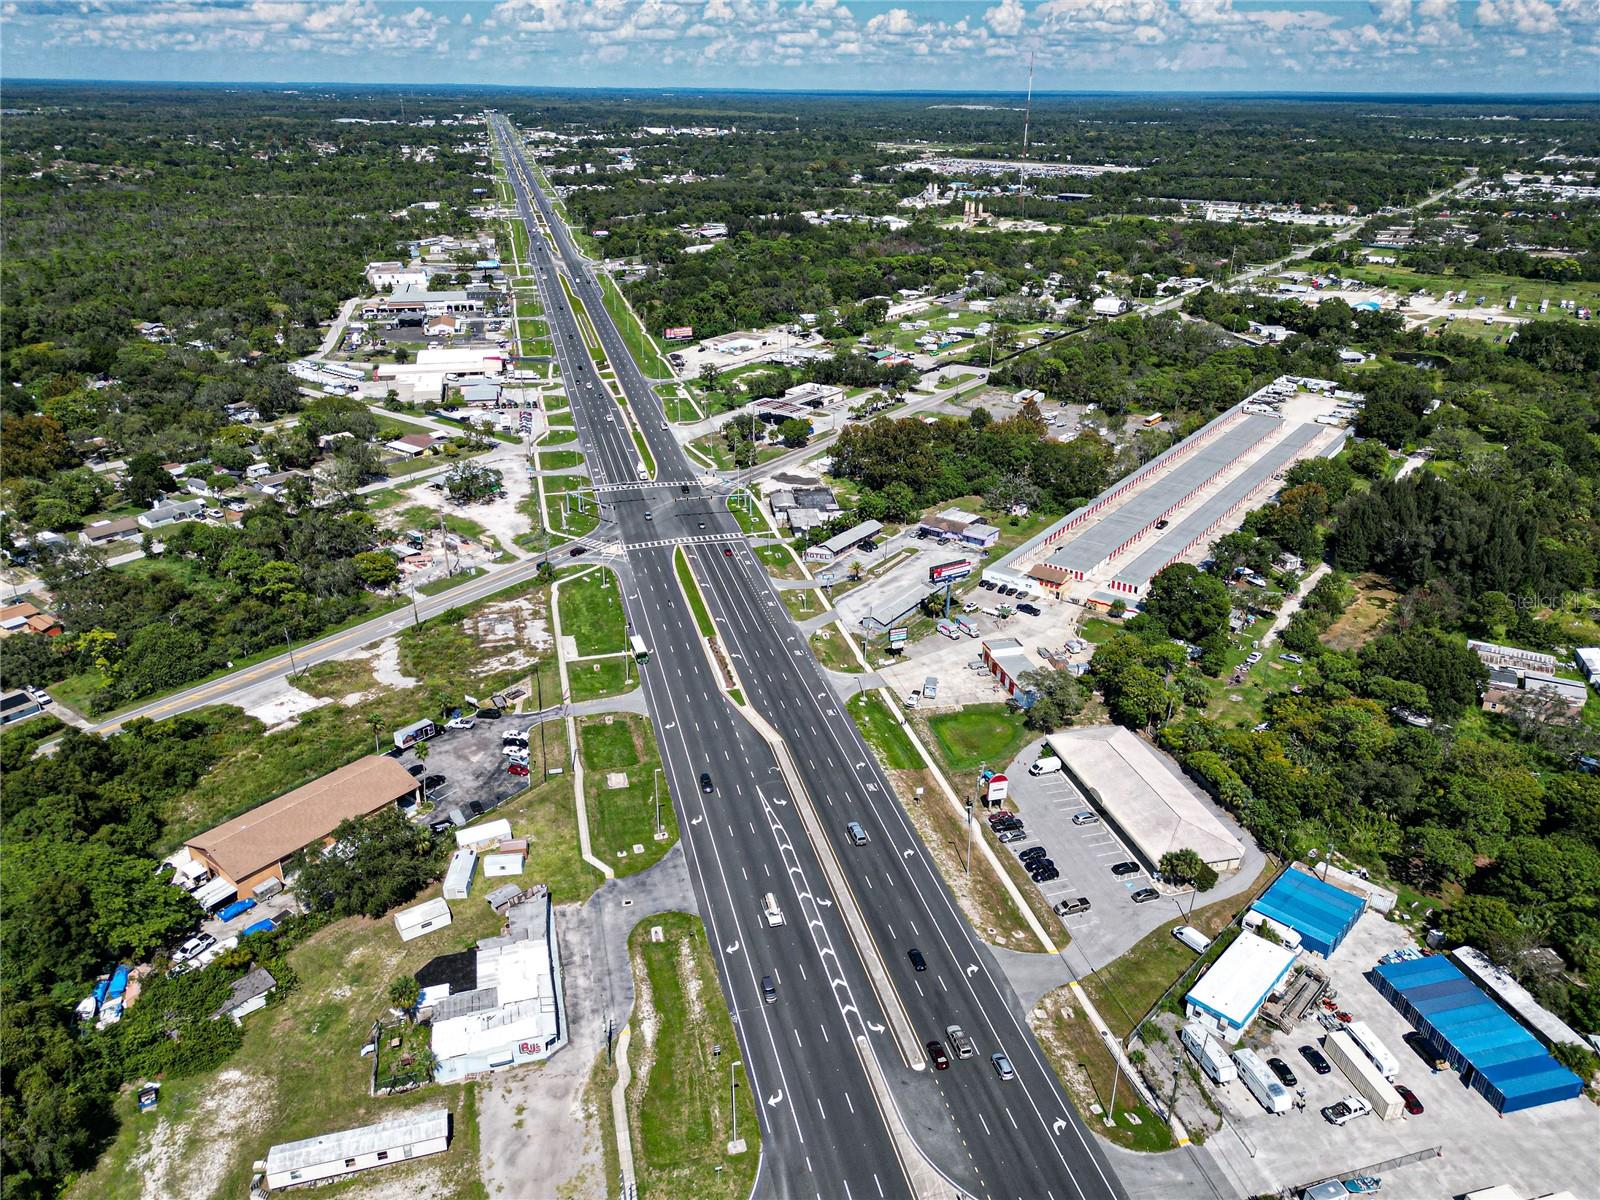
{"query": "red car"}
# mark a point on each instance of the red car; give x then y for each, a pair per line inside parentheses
(1002, 815)
(941, 1060)
(1413, 1105)
(517, 769)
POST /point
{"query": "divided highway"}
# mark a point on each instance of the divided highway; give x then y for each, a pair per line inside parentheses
(824, 1132)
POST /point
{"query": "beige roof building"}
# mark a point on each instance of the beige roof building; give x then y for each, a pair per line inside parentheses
(253, 847)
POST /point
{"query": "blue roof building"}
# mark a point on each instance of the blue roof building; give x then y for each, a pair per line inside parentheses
(1495, 1055)
(1319, 912)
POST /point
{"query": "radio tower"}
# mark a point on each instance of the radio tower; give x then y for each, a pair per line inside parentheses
(1027, 117)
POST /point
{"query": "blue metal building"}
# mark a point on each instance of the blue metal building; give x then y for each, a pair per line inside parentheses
(1495, 1055)
(1319, 912)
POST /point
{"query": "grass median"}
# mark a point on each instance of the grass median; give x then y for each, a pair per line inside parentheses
(691, 588)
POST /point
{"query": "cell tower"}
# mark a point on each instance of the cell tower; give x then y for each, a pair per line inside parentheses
(1027, 118)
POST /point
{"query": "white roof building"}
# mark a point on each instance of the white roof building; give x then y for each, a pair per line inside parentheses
(422, 918)
(415, 1135)
(1229, 995)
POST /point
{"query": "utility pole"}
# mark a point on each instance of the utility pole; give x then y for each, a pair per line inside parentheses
(538, 683)
(416, 615)
(293, 670)
(655, 793)
(967, 868)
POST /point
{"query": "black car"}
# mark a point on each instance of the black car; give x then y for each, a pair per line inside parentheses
(705, 783)
(1045, 876)
(936, 1053)
(1125, 868)
(416, 771)
(429, 782)
(575, 551)
(917, 961)
(1007, 825)
(1033, 852)
(1031, 609)
(1281, 1070)
(986, 584)
(1314, 1056)
(488, 714)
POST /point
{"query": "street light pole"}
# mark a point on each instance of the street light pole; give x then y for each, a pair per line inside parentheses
(733, 1089)
(967, 869)
(293, 670)
(655, 793)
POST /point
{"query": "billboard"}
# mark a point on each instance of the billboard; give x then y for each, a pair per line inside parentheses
(678, 333)
(946, 572)
(999, 787)
(897, 638)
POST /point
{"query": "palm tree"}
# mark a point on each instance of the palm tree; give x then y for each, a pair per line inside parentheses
(375, 723)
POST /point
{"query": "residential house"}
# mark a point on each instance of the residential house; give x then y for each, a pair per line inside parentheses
(170, 512)
(104, 533)
(25, 618)
(442, 326)
(413, 445)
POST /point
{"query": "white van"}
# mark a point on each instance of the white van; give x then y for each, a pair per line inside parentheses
(1192, 938)
(770, 909)
(1048, 765)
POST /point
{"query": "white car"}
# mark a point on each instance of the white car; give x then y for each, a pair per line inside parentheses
(1291, 658)
(1252, 658)
(460, 723)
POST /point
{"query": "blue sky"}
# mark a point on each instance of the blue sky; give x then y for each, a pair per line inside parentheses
(1130, 45)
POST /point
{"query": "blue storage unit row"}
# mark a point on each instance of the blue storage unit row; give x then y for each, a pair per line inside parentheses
(1319, 912)
(1495, 1055)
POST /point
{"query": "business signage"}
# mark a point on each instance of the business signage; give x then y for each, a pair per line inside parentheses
(946, 572)
(999, 787)
(678, 333)
(897, 638)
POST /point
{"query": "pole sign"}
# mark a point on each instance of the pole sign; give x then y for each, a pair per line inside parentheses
(999, 787)
(678, 333)
(897, 638)
(951, 571)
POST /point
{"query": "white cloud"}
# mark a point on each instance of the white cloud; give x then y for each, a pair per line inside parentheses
(1006, 18)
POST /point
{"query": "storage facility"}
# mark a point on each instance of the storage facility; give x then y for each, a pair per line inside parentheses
(1495, 1056)
(411, 923)
(253, 848)
(1515, 999)
(415, 1135)
(458, 875)
(1144, 795)
(1229, 995)
(1319, 912)
(1344, 1053)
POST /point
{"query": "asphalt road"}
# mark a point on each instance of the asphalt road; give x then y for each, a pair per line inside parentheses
(992, 1137)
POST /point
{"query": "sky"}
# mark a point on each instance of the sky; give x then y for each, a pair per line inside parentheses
(1406, 46)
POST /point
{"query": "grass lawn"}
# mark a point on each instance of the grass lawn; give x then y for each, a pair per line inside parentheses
(678, 1102)
(421, 517)
(559, 437)
(832, 651)
(449, 581)
(1098, 629)
(978, 734)
(802, 603)
(714, 448)
(621, 819)
(640, 344)
(691, 587)
(883, 733)
(560, 460)
(594, 679)
(591, 613)
(645, 456)
(779, 562)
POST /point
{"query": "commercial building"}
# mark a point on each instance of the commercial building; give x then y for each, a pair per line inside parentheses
(1144, 795)
(418, 303)
(967, 528)
(415, 1135)
(1229, 995)
(1494, 1055)
(1319, 912)
(515, 1013)
(841, 543)
(1008, 662)
(253, 848)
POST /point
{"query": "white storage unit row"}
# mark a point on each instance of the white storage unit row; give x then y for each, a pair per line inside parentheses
(421, 918)
(1343, 1052)
(458, 877)
(1263, 1084)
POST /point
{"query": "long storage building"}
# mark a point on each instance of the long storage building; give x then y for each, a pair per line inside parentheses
(1319, 912)
(1494, 1055)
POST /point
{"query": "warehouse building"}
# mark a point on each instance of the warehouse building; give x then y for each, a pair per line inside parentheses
(415, 1135)
(1494, 1055)
(1229, 995)
(1008, 662)
(1142, 793)
(514, 1013)
(1319, 912)
(1516, 999)
(253, 848)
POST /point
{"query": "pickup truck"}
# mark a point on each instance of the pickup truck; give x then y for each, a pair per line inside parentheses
(1344, 1111)
(959, 1041)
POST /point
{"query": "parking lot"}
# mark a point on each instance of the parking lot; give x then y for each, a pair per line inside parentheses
(1085, 854)
(467, 767)
(1535, 1151)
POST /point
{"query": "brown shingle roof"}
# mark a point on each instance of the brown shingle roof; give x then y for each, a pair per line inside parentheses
(1048, 573)
(273, 831)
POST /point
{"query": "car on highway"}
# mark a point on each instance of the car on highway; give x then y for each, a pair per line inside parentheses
(460, 723)
(1312, 1055)
(959, 1041)
(705, 783)
(648, 515)
(1076, 905)
(1085, 818)
(857, 833)
(769, 989)
(1145, 895)
(1002, 1066)
(518, 769)
(1413, 1105)
(575, 551)
(936, 1055)
(1282, 1071)
(1125, 868)
(727, 552)
(918, 963)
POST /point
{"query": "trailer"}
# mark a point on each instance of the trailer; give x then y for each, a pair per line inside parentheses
(1261, 1082)
(1209, 1053)
(211, 895)
(1359, 1069)
(458, 877)
(417, 731)
(422, 918)
(1374, 1049)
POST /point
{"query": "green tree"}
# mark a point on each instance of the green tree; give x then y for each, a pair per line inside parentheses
(383, 861)
(794, 432)
(403, 992)
(377, 568)
(1058, 698)
(1187, 603)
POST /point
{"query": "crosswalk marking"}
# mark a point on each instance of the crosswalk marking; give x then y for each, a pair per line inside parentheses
(688, 540)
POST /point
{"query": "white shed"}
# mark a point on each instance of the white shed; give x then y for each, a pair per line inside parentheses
(458, 877)
(495, 865)
(414, 1135)
(482, 835)
(422, 918)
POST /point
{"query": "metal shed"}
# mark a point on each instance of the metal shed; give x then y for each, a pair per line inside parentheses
(1319, 912)
(1495, 1056)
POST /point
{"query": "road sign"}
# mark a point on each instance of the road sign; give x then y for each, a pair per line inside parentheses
(826, 577)
(897, 638)
(999, 786)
